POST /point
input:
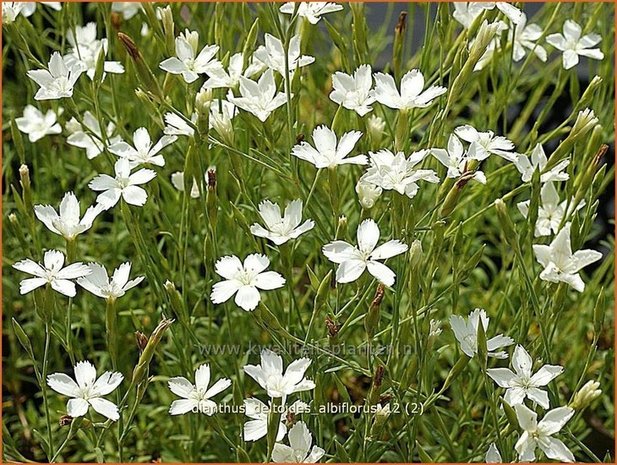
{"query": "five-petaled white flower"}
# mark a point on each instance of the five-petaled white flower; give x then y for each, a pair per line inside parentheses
(219, 78)
(258, 98)
(466, 12)
(487, 143)
(87, 391)
(521, 382)
(525, 36)
(354, 92)
(124, 184)
(273, 55)
(187, 61)
(99, 284)
(560, 264)
(328, 152)
(411, 94)
(58, 81)
(142, 152)
(539, 434)
(244, 280)
(550, 212)
(395, 172)
(37, 124)
(466, 333)
(352, 260)
(572, 44)
(89, 135)
(196, 398)
(456, 159)
(299, 449)
(175, 125)
(67, 223)
(312, 11)
(258, 412)
(52, 272)
(269, 375)
(538, 161)
(281, 228)
(86, 49)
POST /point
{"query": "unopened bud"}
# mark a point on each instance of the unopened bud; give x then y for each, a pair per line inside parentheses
(144, 74)
(586, 395)
(26, 186)
(506, 222)
(416, 254)
(371, 320)
(212, 196)
(341, 228)
(380, 371)
(176, 301)
(588, 95)
(399, 40)
(375, 129)
(367, 194)
(141, 340)
(141, 370)
(167, 18)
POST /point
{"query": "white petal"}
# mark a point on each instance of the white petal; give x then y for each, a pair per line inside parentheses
(107, 383)
(180, 386)
(202, 377)
(106, 408)
(228, 267)
(247, 298)
(85, 373)
(368, 235)
(380, 271)
(76, 407)
(182, 406)
(388, 250)
(350, 270)
(223, 290)
(63, 384)
(269, 280)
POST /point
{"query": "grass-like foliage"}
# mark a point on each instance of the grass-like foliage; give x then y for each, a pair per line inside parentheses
(278, 232)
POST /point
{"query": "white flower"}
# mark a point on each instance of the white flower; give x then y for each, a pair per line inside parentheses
(550, 213)
(524, 383)
(312, 11)
(177, 179)
(572, 44)
(125, 185)
(196, 398)
(352, 261)
(99, 284)
(187, 61)
(86, 49)
(492, 454)
(37, 124)
(540, 434)
(586, 395)
(87, 391)
(259, 98)
(218, 77)
(538, 161)
(89, 136)
(67, 223)
(244, 280)
(456, 159)
(273, 55)
(127, 9)
(367, 193)
(354, 92)
(299, 449)
(257, 427)
(411, 94)
(525, 36)
(142, 152)
(52, 272)
(58, 81)
(328, 152)
(269, 375)
(222, 113)
(281, 228)
(466, 12)
(395, 172)
(10, 11)
(487, 143)
(177, 126)
(466, 332)
(560, 264)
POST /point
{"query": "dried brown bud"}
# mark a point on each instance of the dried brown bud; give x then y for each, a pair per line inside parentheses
(378, 377)
(211, 178)
(379, 293)
(65, 420)
(402, 23)
(141, 339)
(333, 328)
(299, 138)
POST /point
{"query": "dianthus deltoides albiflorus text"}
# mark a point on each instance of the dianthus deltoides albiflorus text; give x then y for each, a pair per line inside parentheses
(308, 232)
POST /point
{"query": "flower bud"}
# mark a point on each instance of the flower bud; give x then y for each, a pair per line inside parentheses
(144, 74)
(376, 386)
(367, 193)
(167, 18)
(381, 415)
(26, 187)
(586, 395)
(375, 128)
(371, 320)
(506, 222)
(399, 40)
(203, 100)
(22, 337)
(141, 370)
(211, 196)
(141, 340)
(416, 254)
(176, 302)
(588, 95)
(322, 291)
(341, 228)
